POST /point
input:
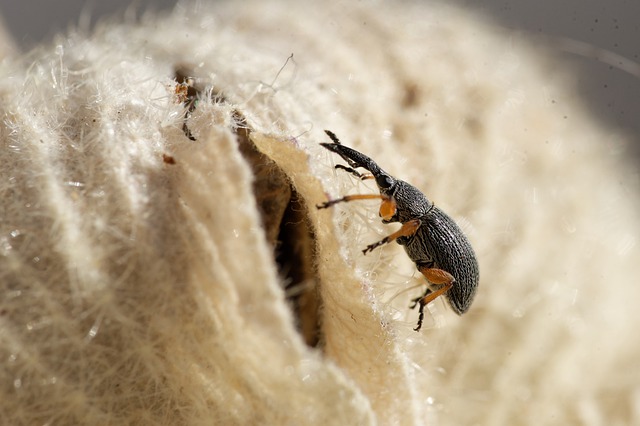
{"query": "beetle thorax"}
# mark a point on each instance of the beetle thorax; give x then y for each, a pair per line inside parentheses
(410, 202)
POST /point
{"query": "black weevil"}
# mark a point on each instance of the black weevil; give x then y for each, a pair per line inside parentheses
(430, 237)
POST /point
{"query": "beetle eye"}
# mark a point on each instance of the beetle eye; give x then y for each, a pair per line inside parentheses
(384, 181)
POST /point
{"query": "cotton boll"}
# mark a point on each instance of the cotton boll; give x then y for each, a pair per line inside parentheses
(140, 290)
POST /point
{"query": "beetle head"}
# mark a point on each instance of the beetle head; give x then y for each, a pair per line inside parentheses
(384, 181)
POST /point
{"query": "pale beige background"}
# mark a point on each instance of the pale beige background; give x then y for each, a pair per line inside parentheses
(612, 26)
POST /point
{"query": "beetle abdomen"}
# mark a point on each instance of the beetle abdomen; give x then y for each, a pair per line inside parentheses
(447, 248)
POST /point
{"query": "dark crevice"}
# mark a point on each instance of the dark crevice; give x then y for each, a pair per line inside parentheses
(295, 259)
(282, 211)
(286, 224)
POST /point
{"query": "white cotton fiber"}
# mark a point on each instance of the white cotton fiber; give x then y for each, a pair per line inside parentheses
(138, 282)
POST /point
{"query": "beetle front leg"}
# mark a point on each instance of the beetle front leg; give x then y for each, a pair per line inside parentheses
(354, 172)
(408, 229)
(434, 276)
(348, 198)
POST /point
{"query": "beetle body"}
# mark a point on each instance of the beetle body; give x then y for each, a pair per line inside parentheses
(439, 243)
(431, 239)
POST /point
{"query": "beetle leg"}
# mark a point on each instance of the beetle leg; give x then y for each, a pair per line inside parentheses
(415, 300)
(354, 172)
(434, 276)
(347, 198)
(388, 209)
(408, 229)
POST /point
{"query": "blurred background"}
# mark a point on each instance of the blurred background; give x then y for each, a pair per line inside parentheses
(599, 39)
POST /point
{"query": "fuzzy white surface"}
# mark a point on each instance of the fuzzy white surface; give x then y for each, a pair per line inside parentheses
(140, 292)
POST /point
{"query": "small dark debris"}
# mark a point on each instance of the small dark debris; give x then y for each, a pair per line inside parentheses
(168, 159)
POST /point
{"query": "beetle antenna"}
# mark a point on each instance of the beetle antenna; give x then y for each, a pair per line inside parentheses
(333, 137)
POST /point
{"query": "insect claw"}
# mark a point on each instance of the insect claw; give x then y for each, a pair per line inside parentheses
(370, 247)
(414, 302)
(326, 204)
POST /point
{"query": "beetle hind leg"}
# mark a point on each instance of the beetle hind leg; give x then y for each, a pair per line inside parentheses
(416, 300)
(434, 276)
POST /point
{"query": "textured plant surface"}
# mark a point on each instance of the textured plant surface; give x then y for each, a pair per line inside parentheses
(162, 261)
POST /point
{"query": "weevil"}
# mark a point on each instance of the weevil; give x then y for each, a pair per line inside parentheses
(431, 239)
